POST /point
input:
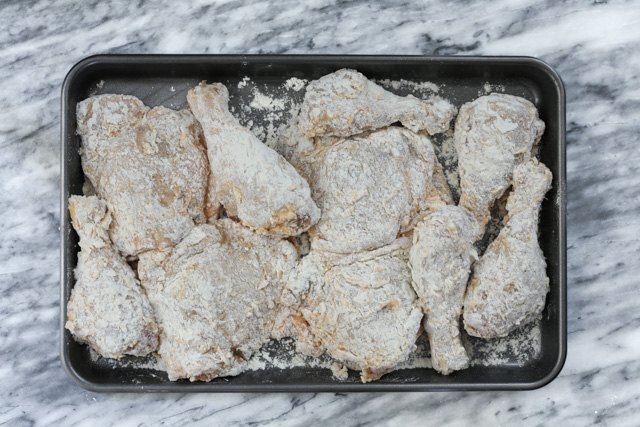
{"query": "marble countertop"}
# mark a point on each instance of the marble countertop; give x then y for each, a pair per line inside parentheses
(594, 47)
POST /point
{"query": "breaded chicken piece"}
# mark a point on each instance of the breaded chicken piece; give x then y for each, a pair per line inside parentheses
(253, 182)
(509, 283)
(359, 308)
(149, 166)
(346, 103)
(369, 187)
(297, 148)
(493, 134)
(440, 260)
(108, 310)
(215, 296)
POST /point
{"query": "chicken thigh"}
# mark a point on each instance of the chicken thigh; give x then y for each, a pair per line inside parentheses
(108, 310)
(440, 260)
(346, 103)
(509, 283)
(369, 187)
(359, 308)
(215, 296)
(300, 149)
(253, 182)
(493, 134)
(149, 166)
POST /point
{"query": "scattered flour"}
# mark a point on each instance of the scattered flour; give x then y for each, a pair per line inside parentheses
(152, 362)
(296, 84)
(415, 86)
(519, 347)
(488, 88)
(420, 358)
(265, 102)
(339, 371)
(96, 89)
(243, 82)
(283, 355)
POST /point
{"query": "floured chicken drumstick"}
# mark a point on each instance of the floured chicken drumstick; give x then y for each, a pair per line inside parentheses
(149, 166)
(346, 103)
(369, 187)
(440, 260)
(358, 308)
(253, 182)
(509, 283)
(215, 295)
(493, 134)
(108, 309)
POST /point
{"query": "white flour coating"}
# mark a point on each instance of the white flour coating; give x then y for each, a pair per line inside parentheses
(215, 296)
(254, 183)
(346, 103)
(509, 283)
(493, 134)
(108, 310)
(369, 187)
(440, 261)
(359, 308)
(149, 166)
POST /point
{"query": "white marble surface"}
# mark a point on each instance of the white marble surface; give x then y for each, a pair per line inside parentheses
(594, 46)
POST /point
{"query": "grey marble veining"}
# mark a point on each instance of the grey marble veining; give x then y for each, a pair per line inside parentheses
(594, 46)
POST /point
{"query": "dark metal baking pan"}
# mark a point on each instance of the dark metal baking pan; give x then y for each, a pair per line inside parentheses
(164, 80)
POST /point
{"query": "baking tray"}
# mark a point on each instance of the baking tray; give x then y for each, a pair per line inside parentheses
(165, 79)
